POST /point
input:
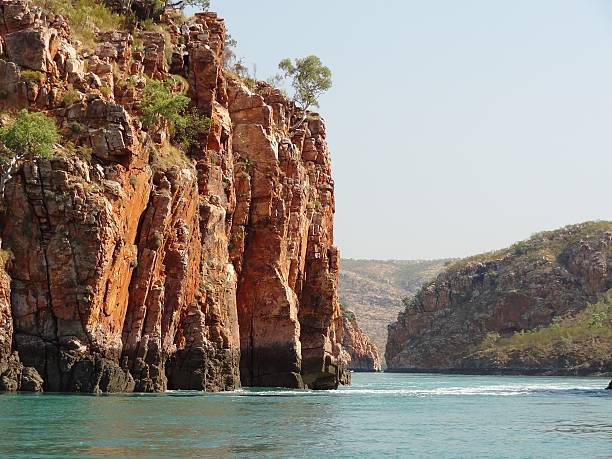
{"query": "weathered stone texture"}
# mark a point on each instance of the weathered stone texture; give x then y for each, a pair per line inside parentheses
(363, 353)
(520, 288)
(143, 268)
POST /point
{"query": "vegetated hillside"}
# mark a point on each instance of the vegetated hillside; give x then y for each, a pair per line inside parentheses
(524, 309)
(374, 289)
(572, 342)
(163, 224)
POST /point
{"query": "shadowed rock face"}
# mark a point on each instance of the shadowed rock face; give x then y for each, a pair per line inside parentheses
(520, 288)
(144, 269)
(363, 353)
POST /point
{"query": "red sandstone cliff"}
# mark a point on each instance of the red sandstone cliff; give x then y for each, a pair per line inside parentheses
(363, 353)
(146, 268)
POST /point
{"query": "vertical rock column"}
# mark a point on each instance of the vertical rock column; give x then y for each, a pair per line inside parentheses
(288, 308)
(268, 306)
(210, 357)
(324, 364)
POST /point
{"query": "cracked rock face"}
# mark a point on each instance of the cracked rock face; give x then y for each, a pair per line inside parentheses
(140, 268)
(363, 353)
(520, 288)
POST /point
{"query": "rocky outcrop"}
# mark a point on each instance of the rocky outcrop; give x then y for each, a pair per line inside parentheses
(287, 294)
(13, 375)
(363, 353)
(138, 266)
(551, 275)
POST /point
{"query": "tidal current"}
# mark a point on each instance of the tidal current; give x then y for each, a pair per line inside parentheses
(380, 415)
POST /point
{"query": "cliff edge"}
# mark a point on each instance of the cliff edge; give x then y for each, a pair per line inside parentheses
(137, 264)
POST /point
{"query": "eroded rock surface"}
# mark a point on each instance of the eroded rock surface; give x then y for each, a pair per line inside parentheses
(136, 266)
(521, 288)
(363, 353)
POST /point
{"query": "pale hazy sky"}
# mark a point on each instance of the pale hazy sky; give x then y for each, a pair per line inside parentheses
(455, 127)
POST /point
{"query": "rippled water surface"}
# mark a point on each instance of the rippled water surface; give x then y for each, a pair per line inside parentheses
(381, 415)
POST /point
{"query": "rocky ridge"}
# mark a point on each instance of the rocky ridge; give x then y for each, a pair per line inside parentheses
(146, 268)
(552, 275)
(363, 353)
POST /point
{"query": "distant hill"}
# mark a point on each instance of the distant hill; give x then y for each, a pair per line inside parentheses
(541, 306)
(374, 289)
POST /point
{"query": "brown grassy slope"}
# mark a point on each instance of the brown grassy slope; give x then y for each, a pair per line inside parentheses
(374, 289)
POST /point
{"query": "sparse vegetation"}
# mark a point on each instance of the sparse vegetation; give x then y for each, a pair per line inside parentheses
(31, 76)
(546, 244)
(408, 302)
(82, 151)
(587, 333)
(5, 257)
(160, 104)
(85, 153)
(239, 71)
(156, 240)
(85, 17)
(106, 90)
(150, 25)
(77, 129)
(71, 96)
(346, 312)
(166, 156)
(153, 9)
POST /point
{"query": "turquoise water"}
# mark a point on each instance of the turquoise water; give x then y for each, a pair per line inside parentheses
(381, 415)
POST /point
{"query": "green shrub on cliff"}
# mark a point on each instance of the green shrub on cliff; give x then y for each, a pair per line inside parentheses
(192, 130)
(346, 312)
(30, 134)
(31, 76)
(160, 103)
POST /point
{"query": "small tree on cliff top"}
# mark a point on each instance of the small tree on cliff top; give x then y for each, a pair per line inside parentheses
(203, 5)
(153, 9)
(29, 135)
(310, 79)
